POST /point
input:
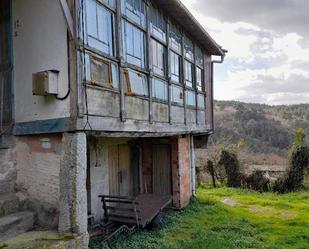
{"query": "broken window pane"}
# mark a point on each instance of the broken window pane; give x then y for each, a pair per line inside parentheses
(189, 49)
(188, 72)
(175, 67)
(159, 89)
(109, 2)
(133, 44)
(158, 24)
(134, 10)
(199, 79)
(201, 101)
(199, 57)
(177, 94)
(158, 58)
(190, 98)
(136, 83)
(99, 23)
(175, 38)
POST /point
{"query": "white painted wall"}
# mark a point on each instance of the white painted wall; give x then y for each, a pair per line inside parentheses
(39, 44)
(98, 177)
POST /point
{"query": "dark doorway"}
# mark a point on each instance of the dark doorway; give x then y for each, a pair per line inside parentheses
(5, 65)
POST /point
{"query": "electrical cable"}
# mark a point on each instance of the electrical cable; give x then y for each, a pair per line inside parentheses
(83, 58)
(69, 71)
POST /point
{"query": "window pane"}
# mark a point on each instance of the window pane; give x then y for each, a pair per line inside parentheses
(99, 24)
(175, 39)
(188, 74)
(137, 82)
(189, 51)
(115, 76)
(175, 67)
(177, 94)
(134, 10)
(199, 80)
(159, 89)
(101, 73)
(109, 2)
(190, 98)
(133, 44)
(158, 58)
(199, 57)
(158, 24)
(201, 101)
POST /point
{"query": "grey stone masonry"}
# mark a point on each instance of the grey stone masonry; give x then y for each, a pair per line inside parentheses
(73, 193)
(8, 172)
(14, 224)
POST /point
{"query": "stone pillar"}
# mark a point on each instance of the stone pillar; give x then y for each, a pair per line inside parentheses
(73, 193)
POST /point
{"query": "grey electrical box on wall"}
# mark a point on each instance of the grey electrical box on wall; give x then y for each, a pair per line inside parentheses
(45, 83)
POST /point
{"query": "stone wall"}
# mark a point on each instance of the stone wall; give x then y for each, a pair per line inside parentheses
(8, 172)
(38, 166)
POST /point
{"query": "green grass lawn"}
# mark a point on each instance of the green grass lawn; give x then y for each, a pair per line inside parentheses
(230, 218)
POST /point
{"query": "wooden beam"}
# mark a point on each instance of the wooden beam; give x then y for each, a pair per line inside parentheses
(168, 62)
(119, 49)
(149, 61)
(68, 17)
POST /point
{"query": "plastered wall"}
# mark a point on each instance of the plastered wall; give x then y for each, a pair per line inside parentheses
(39, 44)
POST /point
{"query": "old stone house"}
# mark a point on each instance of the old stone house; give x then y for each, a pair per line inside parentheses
(99, 97)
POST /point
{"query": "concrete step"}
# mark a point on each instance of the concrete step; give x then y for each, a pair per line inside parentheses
(14, 224)
(8, 204)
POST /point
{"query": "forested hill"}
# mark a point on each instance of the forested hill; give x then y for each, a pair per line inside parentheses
(265, 129)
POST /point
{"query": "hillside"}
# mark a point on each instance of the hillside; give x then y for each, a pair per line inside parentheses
(265, 129)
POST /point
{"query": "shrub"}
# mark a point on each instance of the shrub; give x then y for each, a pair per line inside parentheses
(293, 180)
(229, 160)
(258, 182)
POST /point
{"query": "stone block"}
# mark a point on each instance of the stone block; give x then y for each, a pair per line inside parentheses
(14, 224)
(8, 204)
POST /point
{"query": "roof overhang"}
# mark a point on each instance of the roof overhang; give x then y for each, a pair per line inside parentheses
(183, 17)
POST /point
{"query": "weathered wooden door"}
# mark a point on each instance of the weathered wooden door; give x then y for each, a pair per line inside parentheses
(161, 163)
(120, 173)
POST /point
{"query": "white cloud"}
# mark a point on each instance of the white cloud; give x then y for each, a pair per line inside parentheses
(266, 63)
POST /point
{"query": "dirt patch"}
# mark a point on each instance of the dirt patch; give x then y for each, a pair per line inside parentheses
(230, 202)
(286, 215)
(268, 211)
(262, 210)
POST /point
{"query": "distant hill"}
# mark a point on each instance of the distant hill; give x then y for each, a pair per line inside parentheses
(265, 129)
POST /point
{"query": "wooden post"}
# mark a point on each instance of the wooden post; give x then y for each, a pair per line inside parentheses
(168, 62)
(119, 52)
(183, 76)
(149, 61)
(195, 85)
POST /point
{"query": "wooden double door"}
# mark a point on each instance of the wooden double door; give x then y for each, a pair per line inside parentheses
(125, 169)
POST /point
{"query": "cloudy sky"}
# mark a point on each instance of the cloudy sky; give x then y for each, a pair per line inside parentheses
(268, 44)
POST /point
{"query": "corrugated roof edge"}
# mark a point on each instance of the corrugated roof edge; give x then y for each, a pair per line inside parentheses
(177, 10)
